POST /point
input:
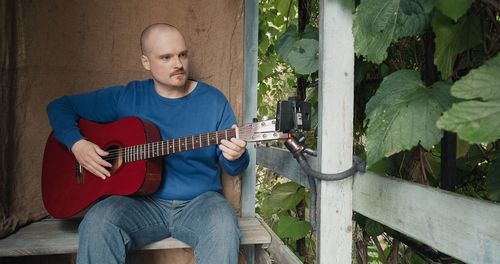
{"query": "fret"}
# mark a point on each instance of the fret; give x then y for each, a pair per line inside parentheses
(179, 144)
(225, 132)
(125, 155)
(199, 137)
(208, 139)
(185, 143)
(132, 153)
(192, 141)
(217, 137)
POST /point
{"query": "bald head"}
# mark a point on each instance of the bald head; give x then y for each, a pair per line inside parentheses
(153, 29)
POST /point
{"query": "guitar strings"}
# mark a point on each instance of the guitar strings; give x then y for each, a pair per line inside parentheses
(144, 150)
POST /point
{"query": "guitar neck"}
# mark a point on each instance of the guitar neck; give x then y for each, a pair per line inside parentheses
(167, 147)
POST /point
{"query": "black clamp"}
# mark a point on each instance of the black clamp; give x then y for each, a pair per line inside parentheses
(296, 147)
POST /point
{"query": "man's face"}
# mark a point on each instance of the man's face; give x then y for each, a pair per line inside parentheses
(166, 57)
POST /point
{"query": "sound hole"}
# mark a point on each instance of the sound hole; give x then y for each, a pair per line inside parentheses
(115, 157)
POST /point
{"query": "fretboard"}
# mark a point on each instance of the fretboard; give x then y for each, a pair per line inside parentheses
(172, 146)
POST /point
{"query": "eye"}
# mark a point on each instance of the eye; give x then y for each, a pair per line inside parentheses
(183, 55)
(166, 57)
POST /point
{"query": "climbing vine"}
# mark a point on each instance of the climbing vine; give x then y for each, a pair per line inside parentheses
(426, 72)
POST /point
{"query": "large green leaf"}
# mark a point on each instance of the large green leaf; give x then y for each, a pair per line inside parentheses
(377, 23)
(292, 227)
(454, 9)
(286, 196)
(452, 39)
(304, 57)
(286, 41)
(403, 114)
(477, 120)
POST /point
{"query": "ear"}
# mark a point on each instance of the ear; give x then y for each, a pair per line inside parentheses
(145, 62)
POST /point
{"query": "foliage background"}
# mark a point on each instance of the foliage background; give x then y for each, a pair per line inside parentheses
(427, 106)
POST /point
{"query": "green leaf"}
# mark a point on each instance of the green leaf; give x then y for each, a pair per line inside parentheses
(283, 6)
(403, 113)
(454, 9)
(304, 57)
(476, 121)
(286, 41)
(452, 39)
(377, 23)
(286, 196)
(310, 32)
(493, 181)
(292, 228)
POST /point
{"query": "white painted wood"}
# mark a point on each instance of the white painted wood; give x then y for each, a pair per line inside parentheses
(282, 161)
(336, 96)
(53, 236)
(465, 228)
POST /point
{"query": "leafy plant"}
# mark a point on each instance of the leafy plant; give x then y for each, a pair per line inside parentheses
(424, 68)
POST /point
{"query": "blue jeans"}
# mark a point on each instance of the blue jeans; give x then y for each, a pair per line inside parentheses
(117, 224)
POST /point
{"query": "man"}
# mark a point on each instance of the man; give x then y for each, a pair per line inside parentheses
(188, 205)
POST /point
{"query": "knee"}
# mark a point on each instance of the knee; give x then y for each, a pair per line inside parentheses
(223, 225)
(100, 220)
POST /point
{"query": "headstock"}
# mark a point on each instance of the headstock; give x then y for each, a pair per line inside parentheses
(260, 131)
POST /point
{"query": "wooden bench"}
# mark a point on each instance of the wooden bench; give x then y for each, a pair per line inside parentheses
(54, 236)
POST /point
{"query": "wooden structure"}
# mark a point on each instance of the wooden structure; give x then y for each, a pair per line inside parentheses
(53, 236)
(462, 227)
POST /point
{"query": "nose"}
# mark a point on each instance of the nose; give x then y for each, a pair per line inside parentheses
(177, 62)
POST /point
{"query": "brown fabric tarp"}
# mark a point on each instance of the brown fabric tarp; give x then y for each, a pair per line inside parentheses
(51, 48)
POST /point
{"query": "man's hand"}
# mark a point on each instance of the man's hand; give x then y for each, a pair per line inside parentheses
(89, 155)
(233, 149)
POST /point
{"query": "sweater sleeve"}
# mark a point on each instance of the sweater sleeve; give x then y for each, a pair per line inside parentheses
(232, 167)
(97, 106)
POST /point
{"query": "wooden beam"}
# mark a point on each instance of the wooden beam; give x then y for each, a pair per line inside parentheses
(463, 227)
(280, 160)
(52, 236)
(336, 106)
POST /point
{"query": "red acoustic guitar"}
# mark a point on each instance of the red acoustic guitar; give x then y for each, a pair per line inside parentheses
(135, 151)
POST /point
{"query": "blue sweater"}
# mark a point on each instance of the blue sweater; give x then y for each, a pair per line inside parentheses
(187, 174)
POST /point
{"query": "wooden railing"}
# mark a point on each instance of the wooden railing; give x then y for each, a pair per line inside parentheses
(466, 228)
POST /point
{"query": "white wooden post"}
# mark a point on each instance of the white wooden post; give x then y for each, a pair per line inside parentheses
(336, 96)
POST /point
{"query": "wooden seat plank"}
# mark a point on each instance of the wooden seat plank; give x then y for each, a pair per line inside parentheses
(54, 236)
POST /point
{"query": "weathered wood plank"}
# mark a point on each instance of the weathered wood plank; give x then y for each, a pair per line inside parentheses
(336, 107)
(281, 160)
(463, 227)
(53, 236)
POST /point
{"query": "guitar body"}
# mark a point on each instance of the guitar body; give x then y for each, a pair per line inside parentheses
(68, 190)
